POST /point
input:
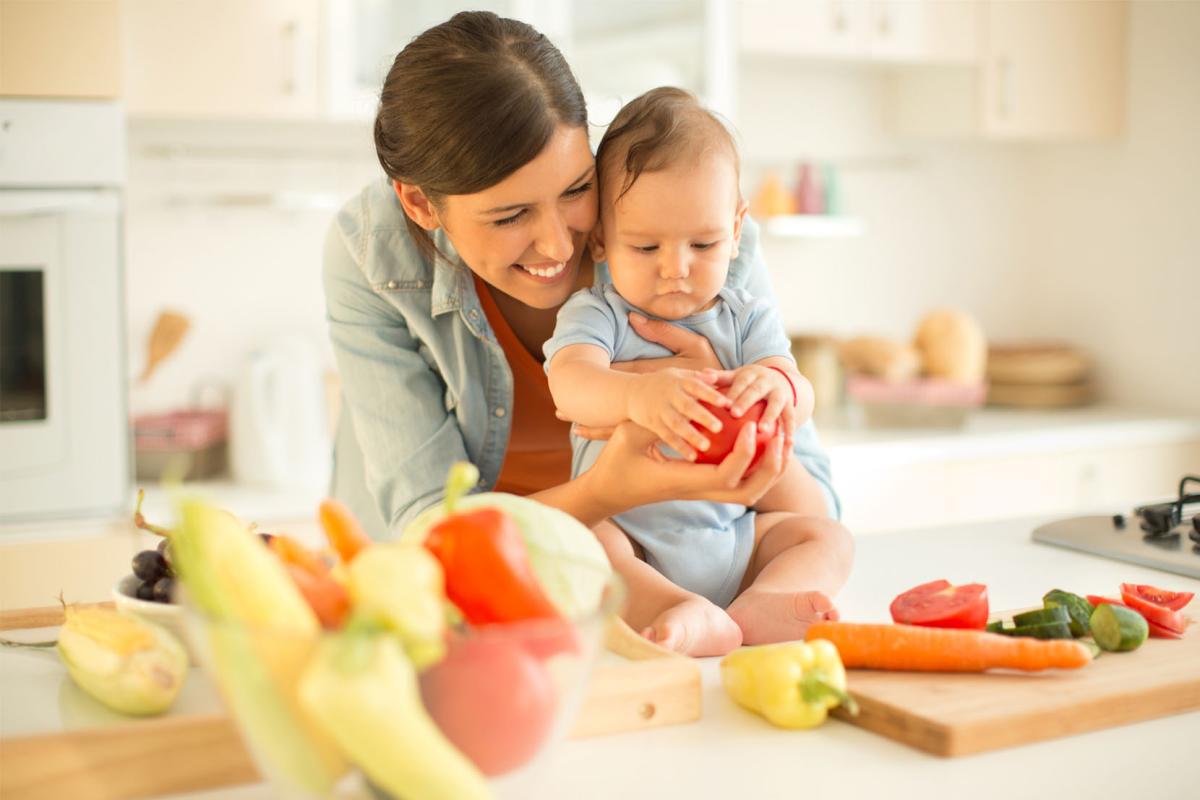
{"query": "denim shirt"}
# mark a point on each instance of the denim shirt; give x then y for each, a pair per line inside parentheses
(424, 381)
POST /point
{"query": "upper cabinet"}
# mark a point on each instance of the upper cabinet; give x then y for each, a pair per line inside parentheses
(222, 58)
(60, 48)
(1048, 70)
(921, 31)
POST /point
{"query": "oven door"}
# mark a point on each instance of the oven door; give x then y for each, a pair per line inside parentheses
(64, 443)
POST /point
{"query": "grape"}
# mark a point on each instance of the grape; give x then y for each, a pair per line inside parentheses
(163, 589)
(266, 537)
(149, 565)
(164, 548)
(145, 591)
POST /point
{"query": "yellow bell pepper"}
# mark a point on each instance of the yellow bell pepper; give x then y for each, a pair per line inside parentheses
(792, 684)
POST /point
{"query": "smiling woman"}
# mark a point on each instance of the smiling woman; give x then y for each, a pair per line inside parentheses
(442, 284)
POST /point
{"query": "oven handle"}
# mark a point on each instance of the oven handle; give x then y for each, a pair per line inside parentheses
(22, 202)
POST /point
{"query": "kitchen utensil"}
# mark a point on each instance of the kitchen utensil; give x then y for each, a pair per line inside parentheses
(924, 403)
(169, 330)
(957, 714)
(186, 445)
(279, 435)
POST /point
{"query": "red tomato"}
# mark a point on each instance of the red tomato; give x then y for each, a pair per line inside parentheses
(493, 700)
(1159, 632)
(1157, 614)
(544, 638)
(1160, 597)
(940, 605)
(721, 442)
(1096, 600)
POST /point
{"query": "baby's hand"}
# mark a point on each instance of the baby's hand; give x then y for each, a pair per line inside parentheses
(754, 382)
(668, 401)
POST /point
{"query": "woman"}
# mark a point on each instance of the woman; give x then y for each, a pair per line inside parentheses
(442, 284)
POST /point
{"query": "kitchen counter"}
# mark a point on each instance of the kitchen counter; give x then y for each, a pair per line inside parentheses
(730, 753)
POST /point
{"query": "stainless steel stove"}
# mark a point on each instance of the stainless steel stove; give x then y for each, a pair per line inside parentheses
(1162, 536)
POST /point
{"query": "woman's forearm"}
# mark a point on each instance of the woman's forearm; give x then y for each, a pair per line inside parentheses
(578, 498)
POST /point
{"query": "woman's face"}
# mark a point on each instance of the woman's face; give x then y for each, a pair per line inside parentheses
(526, 235)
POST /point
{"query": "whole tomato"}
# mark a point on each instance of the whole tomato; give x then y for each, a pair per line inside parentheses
(721, 442)
(492, 699)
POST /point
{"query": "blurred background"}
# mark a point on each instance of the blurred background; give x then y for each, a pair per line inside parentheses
(1027, 167)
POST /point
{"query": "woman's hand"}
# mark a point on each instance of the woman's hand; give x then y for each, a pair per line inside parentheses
(692, 351)
(631, 471)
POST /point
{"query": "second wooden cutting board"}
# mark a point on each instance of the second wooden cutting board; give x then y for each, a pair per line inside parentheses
(958, 714)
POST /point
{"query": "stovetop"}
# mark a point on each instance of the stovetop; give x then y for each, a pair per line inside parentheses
(1162, 536)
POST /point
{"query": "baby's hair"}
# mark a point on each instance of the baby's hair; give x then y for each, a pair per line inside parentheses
(657, 130)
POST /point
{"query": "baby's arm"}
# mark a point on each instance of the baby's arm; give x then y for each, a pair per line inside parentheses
(587, 390)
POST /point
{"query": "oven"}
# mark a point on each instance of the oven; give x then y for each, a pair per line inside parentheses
(64, 432)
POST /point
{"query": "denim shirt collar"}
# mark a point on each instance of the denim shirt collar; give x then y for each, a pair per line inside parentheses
(452, 288)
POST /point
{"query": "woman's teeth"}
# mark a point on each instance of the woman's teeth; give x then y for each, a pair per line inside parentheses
(545, 272)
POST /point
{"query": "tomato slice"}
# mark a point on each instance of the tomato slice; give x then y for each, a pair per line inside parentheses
(1159, 632)
(1096, 600)
(1164, 617)
(1160, 597)
(938, 604)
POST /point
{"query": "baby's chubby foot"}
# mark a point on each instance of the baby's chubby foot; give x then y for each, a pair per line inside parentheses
(696, 628)
(767, 616)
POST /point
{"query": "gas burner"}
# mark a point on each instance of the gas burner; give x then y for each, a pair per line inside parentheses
(1160, 519)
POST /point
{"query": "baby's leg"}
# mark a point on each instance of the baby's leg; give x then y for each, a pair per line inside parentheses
(799, 563)
(663, 612)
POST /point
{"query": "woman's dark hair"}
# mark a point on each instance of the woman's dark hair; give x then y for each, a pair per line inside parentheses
(469, 102)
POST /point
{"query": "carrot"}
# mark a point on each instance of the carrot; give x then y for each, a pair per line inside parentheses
(912, 647)
(342, 530)
(328, 599)
(291, 551)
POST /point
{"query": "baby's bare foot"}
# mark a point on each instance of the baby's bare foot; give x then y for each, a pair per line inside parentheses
(767, 616)
(696, 628)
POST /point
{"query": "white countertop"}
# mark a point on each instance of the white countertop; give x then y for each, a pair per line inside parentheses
(730, 753)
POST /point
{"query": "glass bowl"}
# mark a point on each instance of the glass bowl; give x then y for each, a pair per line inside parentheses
(502, 695)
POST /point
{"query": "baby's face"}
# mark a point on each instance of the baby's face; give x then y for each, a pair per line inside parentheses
(669, 239)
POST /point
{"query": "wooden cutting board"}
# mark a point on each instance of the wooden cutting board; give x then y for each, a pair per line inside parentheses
(958, 714)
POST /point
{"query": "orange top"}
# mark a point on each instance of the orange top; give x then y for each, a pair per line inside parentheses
(539, 447)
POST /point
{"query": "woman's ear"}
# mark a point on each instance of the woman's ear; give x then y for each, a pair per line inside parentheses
(739, 217)
(416, 205)
(596, 243)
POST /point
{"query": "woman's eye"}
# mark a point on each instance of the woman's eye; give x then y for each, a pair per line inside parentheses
(509, 220)
(578, 190)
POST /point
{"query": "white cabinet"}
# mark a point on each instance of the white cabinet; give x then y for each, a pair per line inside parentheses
(222, 58)
(1048, 70)
(60, 48)
(920, 31)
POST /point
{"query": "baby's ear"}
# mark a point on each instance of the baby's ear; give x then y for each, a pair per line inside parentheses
(596, 243)
(739, 217)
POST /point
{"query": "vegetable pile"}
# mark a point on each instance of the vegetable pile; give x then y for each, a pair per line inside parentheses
(427, 662)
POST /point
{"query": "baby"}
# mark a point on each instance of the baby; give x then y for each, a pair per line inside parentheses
(704, 577)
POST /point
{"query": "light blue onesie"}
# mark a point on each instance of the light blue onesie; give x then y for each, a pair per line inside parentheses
(701, 546)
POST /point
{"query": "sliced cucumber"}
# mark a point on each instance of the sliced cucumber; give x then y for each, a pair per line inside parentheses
(1043, 616)
(1046, 630)
(995, 627)
(1079, 609)
(1116, 628)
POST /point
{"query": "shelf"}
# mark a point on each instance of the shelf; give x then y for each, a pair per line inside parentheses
(813, 226)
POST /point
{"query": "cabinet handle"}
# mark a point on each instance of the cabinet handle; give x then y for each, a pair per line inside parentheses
(290, 42)
(885, 20)
(1004, 103)
(840, 22)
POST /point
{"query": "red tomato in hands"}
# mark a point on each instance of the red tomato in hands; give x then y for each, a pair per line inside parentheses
(721, 443)
(1161, 615)
(492, 699)
(938, 604)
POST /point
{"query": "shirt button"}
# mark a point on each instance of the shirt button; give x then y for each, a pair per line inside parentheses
(392, 284)
(474, 315)
(500, 412)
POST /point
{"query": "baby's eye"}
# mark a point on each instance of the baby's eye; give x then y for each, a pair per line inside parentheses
(650, 248)
(703, 245)
(578, 190)
(500, 223)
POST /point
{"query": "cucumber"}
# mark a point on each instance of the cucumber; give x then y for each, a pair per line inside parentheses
(1079, 609)
(1043, 616)
(1045, 630)
(1116, 628)
(995, 627)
